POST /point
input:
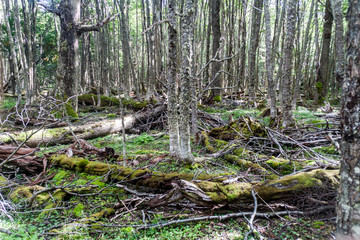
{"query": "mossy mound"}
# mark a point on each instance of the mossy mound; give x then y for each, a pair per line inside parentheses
(241, 128)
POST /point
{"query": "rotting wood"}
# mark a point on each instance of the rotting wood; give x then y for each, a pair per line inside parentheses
(65, 135)
(206, 190)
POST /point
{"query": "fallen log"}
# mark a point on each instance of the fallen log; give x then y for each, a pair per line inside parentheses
(65, 135)
(23, 158)
(206, 190)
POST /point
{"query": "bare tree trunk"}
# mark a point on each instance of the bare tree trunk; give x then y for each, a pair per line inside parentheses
(172, 89)
(269, 62)
(348, 207)
(2, 76)
(288, 119)
(339, 39)
(322, 74)
(186, 78)
(216, 66)
(242, 63)
(254, 43)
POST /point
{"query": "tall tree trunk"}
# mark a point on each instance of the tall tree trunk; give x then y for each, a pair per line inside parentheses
(69, 47)
(242, 63)
(186, 78)
(269, 62)
(172, 89)
(288, 119)
(125, 49)
(339, 39)
(254, 43)
(348, 207)
(321, 79)
(216, 66)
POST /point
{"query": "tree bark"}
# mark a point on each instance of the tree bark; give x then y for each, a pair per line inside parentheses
(216, 66)
(254, 43)
(173, 89)
(269, 62)
(322, 73)
(288, 119)
(339, 39)
(348, 207)
(186, 78)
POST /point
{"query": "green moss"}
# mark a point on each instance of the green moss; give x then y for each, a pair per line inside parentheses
(78, 211)
(111, 115)
(26, 192)
(283, 165)
(91, 99)
(243, 128)
(318, 224)
(77, 164)
(70, 112)
(217, 98)
(46, 211)
(3, 181)
(98, 183)
(80, 182)
(60, 177)
(59, 195)
(233, 191)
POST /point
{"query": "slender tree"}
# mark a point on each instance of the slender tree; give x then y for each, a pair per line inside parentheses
(339, 39)
(348, 207)
(172, 89)
(269, 62)
(216, 66)
(288, 119)
(254, 44)
(186, 78)
(322, 73)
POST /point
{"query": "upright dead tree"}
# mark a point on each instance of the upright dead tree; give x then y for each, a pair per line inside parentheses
(187, 31)
(172, 89)
(254, 43)
(323, 70)
(348, 208)
(288, 119)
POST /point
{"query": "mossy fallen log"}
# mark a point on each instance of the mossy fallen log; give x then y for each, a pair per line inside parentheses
(244, 127)
(65, 135)
(92, 99)
(247, 159)
(205, 190)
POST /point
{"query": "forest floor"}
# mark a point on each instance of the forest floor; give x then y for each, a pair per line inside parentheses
(60, 203)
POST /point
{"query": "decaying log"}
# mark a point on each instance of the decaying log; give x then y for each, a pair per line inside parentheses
(24, 159)
(65, 135)
(206, 190)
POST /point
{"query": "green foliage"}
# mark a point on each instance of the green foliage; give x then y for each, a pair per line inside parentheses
(143, 139)
(9, 103)
(21, 233)
(60, 177)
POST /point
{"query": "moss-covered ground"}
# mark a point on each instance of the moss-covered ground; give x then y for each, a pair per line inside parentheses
(84, 206)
